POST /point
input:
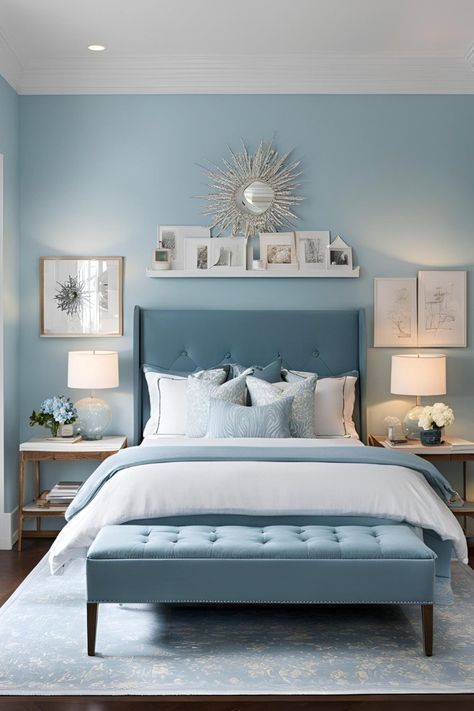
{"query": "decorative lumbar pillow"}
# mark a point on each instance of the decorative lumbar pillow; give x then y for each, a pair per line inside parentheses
(302, 392)
(271, 372)
(229, 420)
(199, 394)
(334, 403)
(167, 391)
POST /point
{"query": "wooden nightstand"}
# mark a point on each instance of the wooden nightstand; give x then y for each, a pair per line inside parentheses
(41, 450)
(442, 453)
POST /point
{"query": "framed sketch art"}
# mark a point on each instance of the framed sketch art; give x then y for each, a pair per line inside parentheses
(395, 313)
(228, 253)
(442, 309)
(312, 247)
(172, 237)
(278, 250)
(81, 296)
(197, 254)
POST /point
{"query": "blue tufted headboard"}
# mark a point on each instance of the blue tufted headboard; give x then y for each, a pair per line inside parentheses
(326, 342)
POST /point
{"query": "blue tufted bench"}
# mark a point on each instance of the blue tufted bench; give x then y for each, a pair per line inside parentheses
(273, 564)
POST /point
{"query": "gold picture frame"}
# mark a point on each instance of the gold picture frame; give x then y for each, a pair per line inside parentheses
(81, 297)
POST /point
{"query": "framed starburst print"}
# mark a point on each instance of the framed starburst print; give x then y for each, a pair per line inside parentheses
(81, 296)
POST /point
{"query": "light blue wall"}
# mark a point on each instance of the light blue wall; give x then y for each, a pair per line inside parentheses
(10, 280)
(394, 175)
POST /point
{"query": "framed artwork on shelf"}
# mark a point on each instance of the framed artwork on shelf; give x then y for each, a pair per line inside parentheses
(278, 251)
(172, 237)
(339, 255)
(228, 253)
(81, 296)
(312, 249)
(442, 309)
(197, 254)
(395, 315)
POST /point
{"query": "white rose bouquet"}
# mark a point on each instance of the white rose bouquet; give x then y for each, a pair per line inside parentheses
(436, 416)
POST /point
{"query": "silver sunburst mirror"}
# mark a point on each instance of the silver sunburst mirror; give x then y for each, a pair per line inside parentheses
(253, 192)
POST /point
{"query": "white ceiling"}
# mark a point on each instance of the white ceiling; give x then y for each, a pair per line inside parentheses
(238, 46)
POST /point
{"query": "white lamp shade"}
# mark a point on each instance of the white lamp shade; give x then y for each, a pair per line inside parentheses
(418, 375)
(92, 370)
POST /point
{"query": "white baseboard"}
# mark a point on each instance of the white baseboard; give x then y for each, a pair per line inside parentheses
(8, 530)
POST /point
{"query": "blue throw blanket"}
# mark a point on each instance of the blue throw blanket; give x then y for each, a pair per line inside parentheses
(134, 456)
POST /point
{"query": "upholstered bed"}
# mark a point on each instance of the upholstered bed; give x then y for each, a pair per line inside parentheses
(333, 481)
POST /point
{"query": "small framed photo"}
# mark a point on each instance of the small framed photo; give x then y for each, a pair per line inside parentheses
(395, 313)
(339, 255)
(278, 250)
(228, 253)
(442, 309)
(172, 237)
(81, 296)
(197, 254)
(161, 258)
(312, 248)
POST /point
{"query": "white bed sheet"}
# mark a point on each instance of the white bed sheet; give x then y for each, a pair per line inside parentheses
(258, 488)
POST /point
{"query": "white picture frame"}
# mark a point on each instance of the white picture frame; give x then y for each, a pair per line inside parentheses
(197, 254)
(339, 255)
(278, 251)
(172, 237)
(442, 317)
(312, 249)
(395, 312)
(228, 253)
(81, 296)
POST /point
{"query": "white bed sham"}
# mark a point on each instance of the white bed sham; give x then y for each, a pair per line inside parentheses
(258, 488)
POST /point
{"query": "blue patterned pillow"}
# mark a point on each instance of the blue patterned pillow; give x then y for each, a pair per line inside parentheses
(229, 420)
(302, 392)
(199, 393)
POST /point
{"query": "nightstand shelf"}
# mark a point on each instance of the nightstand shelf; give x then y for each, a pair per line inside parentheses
(40, 449)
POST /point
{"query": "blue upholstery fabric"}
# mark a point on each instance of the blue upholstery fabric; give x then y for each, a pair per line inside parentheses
(295, 564)
(229, 420)
(326, 342)
(316, 542)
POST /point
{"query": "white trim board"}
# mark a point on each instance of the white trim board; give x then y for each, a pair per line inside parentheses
(8, 530)
(279, 73)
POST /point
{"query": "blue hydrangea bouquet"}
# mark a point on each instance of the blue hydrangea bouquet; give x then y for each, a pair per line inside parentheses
(54, 413)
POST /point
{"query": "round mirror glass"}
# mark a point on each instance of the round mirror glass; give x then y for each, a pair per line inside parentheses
(257, 197)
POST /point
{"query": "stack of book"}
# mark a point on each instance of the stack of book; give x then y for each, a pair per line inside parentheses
(63, 492)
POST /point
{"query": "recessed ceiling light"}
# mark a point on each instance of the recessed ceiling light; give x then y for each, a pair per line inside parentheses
(96, 47)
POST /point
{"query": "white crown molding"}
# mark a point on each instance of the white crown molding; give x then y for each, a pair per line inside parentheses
(316, 73)
(10, 67)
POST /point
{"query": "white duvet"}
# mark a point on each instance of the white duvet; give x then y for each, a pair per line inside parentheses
(258, 488)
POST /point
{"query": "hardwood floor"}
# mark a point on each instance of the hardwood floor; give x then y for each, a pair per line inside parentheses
(14, 567)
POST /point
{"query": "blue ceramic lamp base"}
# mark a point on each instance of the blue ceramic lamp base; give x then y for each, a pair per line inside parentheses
(93, 416)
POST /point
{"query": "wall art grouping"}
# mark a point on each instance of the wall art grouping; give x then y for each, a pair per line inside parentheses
(428, 311)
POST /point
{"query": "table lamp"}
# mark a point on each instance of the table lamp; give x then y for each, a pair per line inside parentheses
(417, 375)
(92, 370)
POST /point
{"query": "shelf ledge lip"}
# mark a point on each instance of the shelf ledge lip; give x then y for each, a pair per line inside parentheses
(255, 274)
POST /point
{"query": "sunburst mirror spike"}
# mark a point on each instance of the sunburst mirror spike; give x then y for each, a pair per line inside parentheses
(253, 192)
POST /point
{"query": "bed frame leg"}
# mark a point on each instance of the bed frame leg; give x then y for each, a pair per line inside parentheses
(92, 609)
(427, 619)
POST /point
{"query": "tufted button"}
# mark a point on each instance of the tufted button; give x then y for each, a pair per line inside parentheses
(315, 353)
(227, 356)
(184, 354)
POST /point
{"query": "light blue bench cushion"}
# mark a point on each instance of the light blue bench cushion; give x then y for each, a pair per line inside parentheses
(250, 564)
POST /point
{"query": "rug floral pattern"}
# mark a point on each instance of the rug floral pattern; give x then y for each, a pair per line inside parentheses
(144, 649)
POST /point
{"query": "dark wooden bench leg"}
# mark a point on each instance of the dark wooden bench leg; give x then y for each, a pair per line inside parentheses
(427, 617)
(92, 608)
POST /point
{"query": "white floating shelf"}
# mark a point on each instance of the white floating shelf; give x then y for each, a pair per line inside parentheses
(256, 273)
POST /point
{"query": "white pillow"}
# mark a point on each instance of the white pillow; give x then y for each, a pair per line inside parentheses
(168, 400)
(333, 403)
